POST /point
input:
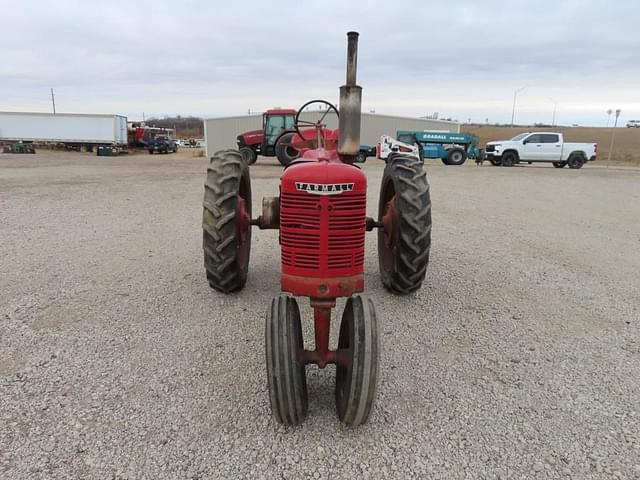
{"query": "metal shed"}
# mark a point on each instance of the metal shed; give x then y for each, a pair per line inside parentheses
(220, 133)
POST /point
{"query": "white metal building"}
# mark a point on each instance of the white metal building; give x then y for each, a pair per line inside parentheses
(220, 133)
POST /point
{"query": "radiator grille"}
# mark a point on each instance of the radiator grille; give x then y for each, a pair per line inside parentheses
(322, 233)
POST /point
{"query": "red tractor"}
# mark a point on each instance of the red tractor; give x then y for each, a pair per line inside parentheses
(274, 140)
(321, 215)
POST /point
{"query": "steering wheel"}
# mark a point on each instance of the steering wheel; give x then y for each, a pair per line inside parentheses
(305, 123)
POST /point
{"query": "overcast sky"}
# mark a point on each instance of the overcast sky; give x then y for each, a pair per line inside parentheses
(463, 59)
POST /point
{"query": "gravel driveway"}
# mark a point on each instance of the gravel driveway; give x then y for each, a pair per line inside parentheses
(520, 357)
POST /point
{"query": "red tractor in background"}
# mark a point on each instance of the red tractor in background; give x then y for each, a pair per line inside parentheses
(274, 140)
(321, 215)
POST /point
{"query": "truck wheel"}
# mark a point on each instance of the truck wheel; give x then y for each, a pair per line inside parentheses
(357, 375)
(404, 211)
(456, 156)
(226, 236)
(575, 161)
(362, 157)
(284, 151)
(559, 164)
(249, 155)
(509, 159)
(286, 376)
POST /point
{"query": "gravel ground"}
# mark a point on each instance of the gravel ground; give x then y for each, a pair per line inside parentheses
(519, 358)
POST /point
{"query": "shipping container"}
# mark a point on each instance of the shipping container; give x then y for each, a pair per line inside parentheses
(67, 128)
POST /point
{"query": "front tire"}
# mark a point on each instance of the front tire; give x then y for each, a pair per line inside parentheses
(404, 210)
(249, 155)
(226, 236)
(284, 151)
(286, 376)
(362, 157)
(357, 377)
(509, 159)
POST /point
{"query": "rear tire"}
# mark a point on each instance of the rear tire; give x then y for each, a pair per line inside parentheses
(405, 211)
(509, 159)
(284, 152)
(559, 164)
(356, 382)
(226, 237)
(456, 156)
(575, 161)
(249, 155)
(286, 376)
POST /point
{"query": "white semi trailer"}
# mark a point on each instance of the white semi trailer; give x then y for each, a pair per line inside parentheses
(72, 129)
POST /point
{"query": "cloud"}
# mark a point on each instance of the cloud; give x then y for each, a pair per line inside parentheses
(462, 59)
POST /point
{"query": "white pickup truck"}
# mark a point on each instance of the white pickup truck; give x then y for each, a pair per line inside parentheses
(540, 147)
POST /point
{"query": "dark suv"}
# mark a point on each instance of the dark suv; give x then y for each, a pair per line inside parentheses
(162, 145)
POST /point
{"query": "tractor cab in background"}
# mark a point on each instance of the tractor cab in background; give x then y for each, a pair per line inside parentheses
(276, 123)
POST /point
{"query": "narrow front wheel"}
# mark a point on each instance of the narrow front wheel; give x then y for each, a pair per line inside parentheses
(357, 369)
(286, 374)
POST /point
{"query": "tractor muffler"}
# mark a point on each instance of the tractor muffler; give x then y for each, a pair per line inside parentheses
(350, 105)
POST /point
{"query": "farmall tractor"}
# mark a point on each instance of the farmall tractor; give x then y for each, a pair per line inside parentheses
(321, 215)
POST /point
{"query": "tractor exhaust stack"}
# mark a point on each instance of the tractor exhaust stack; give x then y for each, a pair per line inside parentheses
(350, 104)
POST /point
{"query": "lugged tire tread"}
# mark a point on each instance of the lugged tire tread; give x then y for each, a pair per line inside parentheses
(414, 212)
(224, 174)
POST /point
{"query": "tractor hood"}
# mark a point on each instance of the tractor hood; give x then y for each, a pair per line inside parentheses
(252, 137)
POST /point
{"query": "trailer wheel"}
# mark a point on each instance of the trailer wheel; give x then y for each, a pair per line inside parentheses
(249, 155)
(226, 221)
(404, 211)
(575, 161)
(284, 151)
(509, 159)
(455, 156)
(286, 375)
(357, 369)
(559, 164)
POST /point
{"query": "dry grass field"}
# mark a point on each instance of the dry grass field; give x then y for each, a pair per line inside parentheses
(626, 149)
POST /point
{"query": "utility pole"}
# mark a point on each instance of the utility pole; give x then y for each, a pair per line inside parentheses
(53, 101)
(613, 136)
(555, 106)
(513, 110)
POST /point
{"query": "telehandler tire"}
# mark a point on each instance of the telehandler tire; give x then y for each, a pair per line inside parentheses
(284, 151)
(357, 377)
(286, 375)
(226, 236)
(404, 240)
(455, 156)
